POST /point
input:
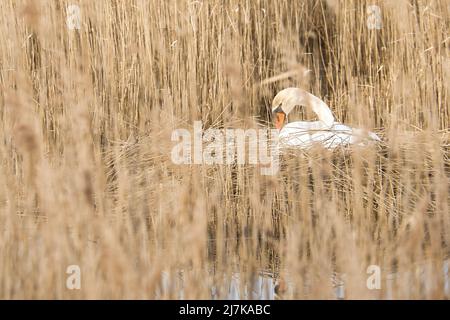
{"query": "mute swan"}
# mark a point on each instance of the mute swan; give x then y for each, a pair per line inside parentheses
(305, 134)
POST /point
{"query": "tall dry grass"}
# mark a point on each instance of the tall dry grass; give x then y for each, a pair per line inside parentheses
(85, 171)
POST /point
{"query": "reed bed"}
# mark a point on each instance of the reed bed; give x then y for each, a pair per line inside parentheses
(86, 176)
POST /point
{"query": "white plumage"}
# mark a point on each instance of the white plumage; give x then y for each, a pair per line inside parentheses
(305, 134)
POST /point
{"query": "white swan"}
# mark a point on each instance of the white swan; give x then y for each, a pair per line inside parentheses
(305, 134)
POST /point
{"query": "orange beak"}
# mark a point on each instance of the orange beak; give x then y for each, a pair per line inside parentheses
(279, 119)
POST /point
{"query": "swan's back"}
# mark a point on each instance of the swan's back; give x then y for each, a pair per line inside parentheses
(305, 134)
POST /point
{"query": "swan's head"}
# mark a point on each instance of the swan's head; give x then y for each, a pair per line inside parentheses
(287, 99)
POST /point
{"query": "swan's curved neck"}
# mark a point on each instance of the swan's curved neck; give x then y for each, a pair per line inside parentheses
(303, 98)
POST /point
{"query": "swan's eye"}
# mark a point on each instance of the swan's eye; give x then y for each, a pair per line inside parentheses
(278, 109)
